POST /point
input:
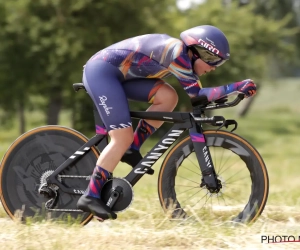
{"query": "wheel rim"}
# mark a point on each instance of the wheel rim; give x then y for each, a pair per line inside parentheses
(250, 204)
(232, 197)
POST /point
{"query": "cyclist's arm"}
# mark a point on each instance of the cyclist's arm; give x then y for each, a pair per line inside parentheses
(216, 93)
(181, 68)
(247, 87)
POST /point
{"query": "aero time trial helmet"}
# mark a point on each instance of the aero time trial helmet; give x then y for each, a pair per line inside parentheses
(208, 43)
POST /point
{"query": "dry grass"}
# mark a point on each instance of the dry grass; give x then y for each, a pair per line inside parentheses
(149, 231)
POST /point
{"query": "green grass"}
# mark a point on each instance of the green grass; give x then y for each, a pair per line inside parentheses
(272, 126)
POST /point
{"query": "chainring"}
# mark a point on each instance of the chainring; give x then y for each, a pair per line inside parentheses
(126, 196)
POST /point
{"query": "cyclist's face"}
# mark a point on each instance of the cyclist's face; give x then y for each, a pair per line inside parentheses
(202, 68)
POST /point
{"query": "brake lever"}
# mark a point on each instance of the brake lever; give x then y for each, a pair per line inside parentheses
(227, 123)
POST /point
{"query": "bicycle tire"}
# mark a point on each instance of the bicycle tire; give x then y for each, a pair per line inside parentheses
(29, 158)
(234, 146)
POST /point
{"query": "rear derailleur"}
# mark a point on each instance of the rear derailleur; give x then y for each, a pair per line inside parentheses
(49, 192)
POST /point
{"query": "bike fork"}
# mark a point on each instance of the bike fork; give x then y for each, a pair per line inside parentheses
(204, 159)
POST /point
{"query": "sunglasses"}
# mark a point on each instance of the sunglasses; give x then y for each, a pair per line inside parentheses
(208, 57)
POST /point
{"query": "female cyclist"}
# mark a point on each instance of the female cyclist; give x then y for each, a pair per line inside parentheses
(134, 69)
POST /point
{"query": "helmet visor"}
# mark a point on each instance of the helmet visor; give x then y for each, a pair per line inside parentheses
(209, 57)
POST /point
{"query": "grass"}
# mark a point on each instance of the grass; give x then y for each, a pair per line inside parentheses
(145, 232)
(272, 126)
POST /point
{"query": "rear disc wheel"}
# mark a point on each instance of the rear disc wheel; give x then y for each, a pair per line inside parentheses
(31, 159)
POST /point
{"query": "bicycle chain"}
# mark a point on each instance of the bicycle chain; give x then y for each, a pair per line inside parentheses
(75, 176)
(69, 210)
(64, 210)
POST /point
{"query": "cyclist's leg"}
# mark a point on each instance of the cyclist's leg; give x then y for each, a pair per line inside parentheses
(157, 92)
(162, 96)
(103, 83)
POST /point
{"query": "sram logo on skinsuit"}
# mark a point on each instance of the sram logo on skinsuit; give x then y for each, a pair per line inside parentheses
(208, 46)
(190, 86)
(102, 103)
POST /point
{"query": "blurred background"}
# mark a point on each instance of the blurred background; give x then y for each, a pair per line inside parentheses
(45, 43)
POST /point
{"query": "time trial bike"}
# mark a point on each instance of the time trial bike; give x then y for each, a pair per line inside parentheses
(48, 168)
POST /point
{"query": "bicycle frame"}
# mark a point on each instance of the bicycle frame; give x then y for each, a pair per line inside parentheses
(182, 121)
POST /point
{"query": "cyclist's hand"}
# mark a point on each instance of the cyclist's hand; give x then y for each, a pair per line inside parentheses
(247, 87)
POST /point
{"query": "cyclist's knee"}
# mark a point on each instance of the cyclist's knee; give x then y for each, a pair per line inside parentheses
(167, 96)
(122, 137)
